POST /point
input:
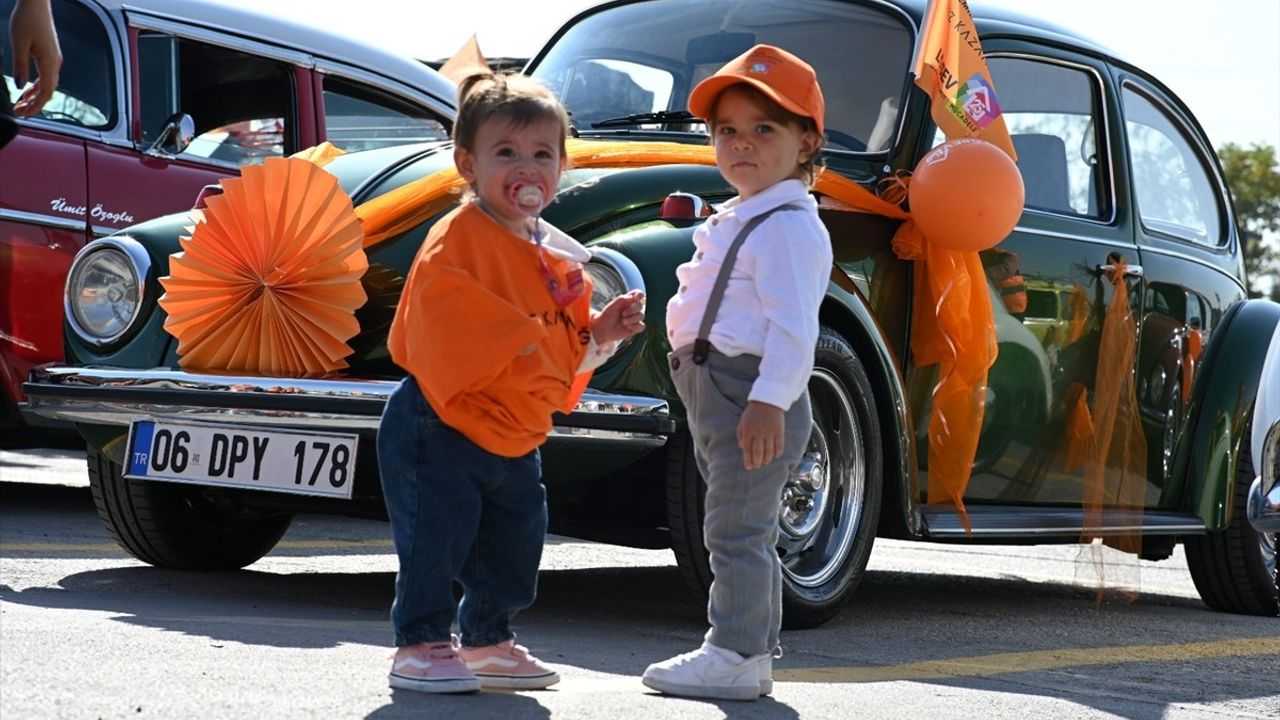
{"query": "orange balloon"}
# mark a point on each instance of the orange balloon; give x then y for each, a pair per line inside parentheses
(966, 194)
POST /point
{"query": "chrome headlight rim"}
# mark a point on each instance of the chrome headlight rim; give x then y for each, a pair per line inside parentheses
(139, 261)
(621, 265)
(627, 271)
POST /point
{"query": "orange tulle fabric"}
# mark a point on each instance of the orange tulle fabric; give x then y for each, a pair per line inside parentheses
(1115, 466)
(1190, 360)
(321, 154)
(1080, 429)
(953, 326)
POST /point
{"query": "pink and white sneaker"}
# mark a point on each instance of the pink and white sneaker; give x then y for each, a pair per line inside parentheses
(432, 667)
(508, 666)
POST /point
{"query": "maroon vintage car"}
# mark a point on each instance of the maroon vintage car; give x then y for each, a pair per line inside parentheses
(157, 99)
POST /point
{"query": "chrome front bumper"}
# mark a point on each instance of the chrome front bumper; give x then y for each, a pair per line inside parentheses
(1264, 492)
(117, 396)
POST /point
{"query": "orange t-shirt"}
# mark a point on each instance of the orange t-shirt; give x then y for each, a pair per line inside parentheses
(475, 299)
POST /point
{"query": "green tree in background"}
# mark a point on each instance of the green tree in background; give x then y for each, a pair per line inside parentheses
(1254, 178)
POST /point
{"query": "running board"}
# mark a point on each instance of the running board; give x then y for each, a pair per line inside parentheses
(993, 522)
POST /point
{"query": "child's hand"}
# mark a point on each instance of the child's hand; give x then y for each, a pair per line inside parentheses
(760, 434)
(620, 319)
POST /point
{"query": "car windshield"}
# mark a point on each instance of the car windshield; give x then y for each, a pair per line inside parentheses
(644, 58)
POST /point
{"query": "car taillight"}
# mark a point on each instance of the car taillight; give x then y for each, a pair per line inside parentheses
(682, 207)
(205, 193)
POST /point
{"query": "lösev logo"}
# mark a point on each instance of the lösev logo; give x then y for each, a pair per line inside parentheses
(98, 213)
(975, 104)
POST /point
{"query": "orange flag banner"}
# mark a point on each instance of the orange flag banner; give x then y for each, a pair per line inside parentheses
(952, 69)
(467, 61)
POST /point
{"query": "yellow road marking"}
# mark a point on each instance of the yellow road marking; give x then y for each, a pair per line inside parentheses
(1001, 663)
(112, 547)
(334, 544)
(59, 547)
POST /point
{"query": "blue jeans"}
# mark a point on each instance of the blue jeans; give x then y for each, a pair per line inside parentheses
(458, 512)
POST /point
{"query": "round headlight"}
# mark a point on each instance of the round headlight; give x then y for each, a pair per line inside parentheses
(105, 288)
(607, 284)
(612, 274)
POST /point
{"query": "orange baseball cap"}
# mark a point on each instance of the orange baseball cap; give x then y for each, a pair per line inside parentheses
(781, 76)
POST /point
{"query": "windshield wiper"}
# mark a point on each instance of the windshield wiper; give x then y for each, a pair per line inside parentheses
(662, 116)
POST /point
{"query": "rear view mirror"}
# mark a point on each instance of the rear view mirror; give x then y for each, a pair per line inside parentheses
(175, 137)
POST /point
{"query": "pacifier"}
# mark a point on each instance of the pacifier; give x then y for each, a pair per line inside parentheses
(527, 196)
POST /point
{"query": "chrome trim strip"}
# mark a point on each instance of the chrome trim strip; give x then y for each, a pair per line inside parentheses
(30, 218)
(632, 278)
(152, 21)
(1080, 238)
(140, 261)
(1263, 508)
(623, 265)
(1144, 248)
(106, 135)
(51, 394)
(382, 82)
(992, 522)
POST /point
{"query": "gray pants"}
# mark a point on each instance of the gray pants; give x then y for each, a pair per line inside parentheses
(741, 525)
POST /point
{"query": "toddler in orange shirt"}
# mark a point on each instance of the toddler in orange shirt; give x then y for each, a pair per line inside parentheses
(496, 331)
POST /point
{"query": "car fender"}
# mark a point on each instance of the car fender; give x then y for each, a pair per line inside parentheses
(1222, 400)
(846, 310)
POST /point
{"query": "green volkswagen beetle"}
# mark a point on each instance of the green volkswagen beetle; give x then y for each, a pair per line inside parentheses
(1126, 213)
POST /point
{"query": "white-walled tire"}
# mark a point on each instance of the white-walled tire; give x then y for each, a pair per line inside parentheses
(829, 510)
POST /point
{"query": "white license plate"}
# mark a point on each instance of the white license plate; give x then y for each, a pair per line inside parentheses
(305, 463)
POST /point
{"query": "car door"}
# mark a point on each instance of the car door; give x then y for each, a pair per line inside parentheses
(1047, 290)
(1189, 253)
(45, 211)
(242, 100)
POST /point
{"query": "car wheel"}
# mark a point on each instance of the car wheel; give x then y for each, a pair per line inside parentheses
(1235, 570)
(179, 526)
(829, 508)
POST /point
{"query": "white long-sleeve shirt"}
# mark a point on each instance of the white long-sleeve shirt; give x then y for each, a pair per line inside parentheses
(770, 305)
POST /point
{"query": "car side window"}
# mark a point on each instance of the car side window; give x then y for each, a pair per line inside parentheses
(242, 104)
(358, 117)
(1052, 114)
(86, 92)
(1174, 192)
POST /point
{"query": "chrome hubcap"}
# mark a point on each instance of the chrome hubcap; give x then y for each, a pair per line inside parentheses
(821, 505)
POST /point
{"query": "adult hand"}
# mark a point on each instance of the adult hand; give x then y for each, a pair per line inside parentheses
(760, 434)
(620, 319)
(34, 37)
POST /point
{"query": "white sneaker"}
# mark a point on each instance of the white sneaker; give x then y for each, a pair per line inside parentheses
(709, 672)
(766, 670)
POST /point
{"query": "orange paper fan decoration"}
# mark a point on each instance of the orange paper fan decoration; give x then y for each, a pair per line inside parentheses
(269, 280)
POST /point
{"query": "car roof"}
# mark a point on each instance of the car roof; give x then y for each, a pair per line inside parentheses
(282, 32)
(994, 21)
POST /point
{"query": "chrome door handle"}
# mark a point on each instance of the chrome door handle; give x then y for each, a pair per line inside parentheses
(1129, 270)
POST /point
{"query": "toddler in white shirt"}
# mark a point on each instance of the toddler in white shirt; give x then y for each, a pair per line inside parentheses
(743, 325)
